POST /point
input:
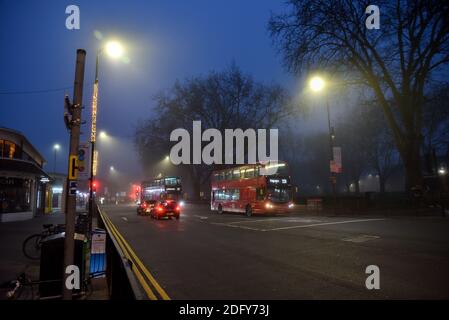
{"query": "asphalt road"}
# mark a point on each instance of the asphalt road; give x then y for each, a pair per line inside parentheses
(209, 256)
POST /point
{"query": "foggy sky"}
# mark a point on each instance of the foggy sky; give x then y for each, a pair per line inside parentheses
(165, 41)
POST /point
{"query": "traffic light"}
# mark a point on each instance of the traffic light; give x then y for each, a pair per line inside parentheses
(94, 186)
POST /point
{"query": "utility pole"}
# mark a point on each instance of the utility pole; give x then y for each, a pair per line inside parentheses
(73, 123)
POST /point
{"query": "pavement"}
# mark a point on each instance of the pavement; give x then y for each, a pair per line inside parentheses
(205, 255)
(13, 262)
(12, 235)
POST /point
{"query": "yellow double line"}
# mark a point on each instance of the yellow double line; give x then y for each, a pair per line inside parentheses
(137, 266)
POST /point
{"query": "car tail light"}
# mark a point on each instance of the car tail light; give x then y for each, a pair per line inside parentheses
(178, 208)
(159, 208)
(144, 205)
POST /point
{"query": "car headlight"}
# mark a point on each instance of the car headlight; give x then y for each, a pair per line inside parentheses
(181, 203)
(268, 205)
(291, 205)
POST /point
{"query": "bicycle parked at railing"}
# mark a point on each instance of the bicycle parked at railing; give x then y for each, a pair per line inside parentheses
(31, 247)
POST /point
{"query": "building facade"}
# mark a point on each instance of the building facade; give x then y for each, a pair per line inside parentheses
(22, 178)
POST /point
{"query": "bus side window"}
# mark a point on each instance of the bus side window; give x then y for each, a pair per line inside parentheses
(260, 194)
(236, 194)
(249, 173)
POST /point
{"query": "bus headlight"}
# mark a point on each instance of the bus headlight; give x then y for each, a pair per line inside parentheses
(268, 205)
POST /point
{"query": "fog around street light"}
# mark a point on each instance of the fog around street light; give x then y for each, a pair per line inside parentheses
(316, 83)
(114, 49)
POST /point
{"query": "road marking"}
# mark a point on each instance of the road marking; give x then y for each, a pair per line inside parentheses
(361, 238)
(134, 268)
(139, 263)
(235, 226)
(201, 217)
(259, 220)
(144, 269)
(322, 224)
(125, 219)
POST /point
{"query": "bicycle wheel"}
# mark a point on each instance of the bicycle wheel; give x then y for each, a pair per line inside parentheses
(32, 247)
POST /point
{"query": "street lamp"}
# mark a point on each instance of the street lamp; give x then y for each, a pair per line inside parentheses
(317, 84)
(103, 135)
(56, 147)
(115, 50)
(111, 168)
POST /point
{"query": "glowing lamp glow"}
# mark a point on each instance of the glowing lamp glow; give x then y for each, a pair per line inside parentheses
(114, 49)
(316, 83)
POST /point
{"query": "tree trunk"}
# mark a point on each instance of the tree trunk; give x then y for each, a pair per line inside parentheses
(412, 164)
(195, 180)
(357, 186)
(382, 182)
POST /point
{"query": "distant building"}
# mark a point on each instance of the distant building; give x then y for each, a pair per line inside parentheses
(22, 179)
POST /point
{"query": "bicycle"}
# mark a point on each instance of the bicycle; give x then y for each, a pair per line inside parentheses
(15, 289)
(31, 246)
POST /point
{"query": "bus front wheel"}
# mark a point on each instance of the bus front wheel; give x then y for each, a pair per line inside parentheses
(248, 211)
(220, 209)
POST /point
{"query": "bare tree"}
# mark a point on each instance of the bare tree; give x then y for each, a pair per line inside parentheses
(396, 62)
(436, 121)
(228, 99)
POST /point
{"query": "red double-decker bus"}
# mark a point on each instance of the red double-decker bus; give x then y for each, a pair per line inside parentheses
(254, 188)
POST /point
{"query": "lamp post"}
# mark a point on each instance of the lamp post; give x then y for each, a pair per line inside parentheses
(56, 147)
(115, 50)
(317, 84)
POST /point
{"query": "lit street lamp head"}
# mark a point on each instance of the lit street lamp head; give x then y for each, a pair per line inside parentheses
(316, 83)
(111, 168)
(114, 49)
(56, 146)
(103, 135)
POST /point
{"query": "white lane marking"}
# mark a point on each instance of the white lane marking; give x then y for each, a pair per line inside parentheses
(259, 220)
(125, 219)
(235, 226)
(361, 238)
(322, 224)
(303, 220)
(201, 217)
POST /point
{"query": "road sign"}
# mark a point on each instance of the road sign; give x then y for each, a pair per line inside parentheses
(83, 161)
(73, 167)
(73, 186)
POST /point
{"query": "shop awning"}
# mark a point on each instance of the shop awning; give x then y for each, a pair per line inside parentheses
(21, 166)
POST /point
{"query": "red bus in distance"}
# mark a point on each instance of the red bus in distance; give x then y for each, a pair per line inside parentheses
(253, 188)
